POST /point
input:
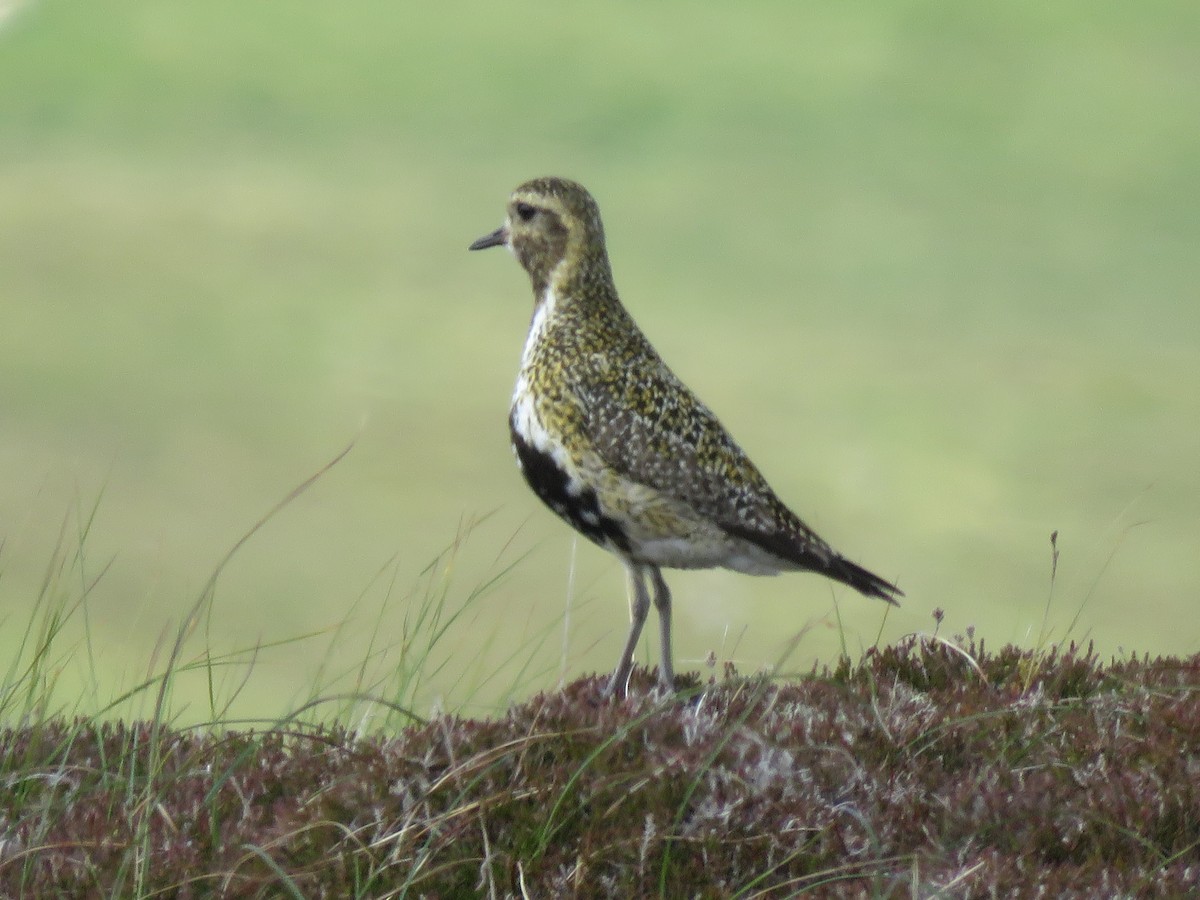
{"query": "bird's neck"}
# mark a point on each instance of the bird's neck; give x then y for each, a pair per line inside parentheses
(582, 283)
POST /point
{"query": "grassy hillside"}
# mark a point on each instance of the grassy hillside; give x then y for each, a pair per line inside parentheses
(934, 266)
(934, 769)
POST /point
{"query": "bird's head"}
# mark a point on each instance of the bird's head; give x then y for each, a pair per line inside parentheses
(553, 228)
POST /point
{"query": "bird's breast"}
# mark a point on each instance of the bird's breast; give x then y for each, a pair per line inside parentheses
(548, 469)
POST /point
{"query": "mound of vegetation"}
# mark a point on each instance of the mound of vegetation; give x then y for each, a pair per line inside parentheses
(928, 769)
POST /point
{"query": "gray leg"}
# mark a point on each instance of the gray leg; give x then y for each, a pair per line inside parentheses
(639, 608)
(662, 602)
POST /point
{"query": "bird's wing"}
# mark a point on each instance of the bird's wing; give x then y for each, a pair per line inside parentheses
(656, 432)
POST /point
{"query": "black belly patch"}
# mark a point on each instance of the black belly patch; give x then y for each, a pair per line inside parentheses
(580, 510)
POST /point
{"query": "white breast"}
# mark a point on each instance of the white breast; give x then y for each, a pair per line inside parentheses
(524, 416)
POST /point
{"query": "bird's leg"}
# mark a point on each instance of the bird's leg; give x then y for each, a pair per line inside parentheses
(662, 602)
(639, 608)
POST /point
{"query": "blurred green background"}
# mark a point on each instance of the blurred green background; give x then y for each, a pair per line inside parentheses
(935, 265)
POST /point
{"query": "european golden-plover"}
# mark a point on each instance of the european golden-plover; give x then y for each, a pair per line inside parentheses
(615, 444)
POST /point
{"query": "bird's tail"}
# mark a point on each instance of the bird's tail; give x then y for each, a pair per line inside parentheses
(867, 583)
(799, 548)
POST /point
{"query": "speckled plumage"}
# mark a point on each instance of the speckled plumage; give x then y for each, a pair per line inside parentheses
(617, 445)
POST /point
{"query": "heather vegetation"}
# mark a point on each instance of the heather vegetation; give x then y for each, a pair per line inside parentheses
(931, 768)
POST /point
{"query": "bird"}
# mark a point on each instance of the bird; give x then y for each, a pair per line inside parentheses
(620, 448)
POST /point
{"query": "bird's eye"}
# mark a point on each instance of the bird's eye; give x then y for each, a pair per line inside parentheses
(525, 212)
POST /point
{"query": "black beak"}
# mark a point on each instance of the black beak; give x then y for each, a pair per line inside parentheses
(497, 238)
